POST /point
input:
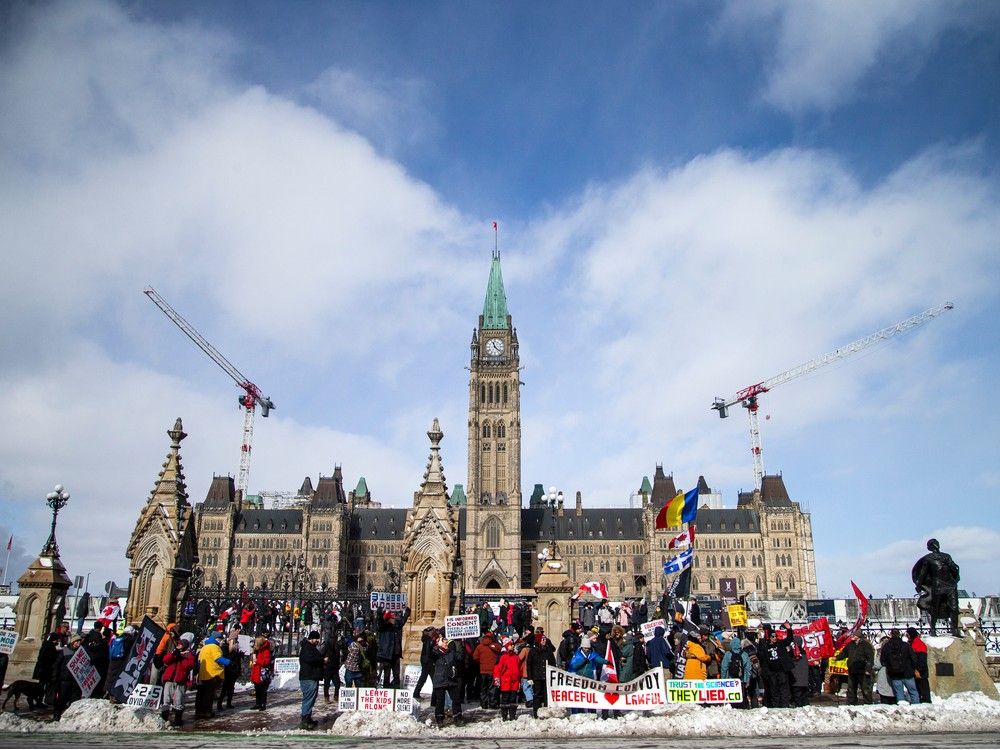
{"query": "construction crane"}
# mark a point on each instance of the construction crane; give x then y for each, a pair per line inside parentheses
(748, 398)
(251, 393)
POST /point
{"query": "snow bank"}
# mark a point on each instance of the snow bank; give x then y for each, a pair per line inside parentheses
(98, 715)
(13, 723)
(965, 712)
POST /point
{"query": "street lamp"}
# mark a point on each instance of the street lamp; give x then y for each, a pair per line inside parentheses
(56, 500)
(555, 498)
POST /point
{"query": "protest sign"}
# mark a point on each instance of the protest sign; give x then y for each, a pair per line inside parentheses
(404, 702)
(286, 673)
(83, 672)
(388, 601)
(139, 658)
(375, 699)
(411, 675)
(461, 626)
(145, 696)
(704, 691)
(246, 644)
(837, 666)
(737, 615)
(8, 639)
(568, 690)
(817, 639)
(348, 699)
(649, 628)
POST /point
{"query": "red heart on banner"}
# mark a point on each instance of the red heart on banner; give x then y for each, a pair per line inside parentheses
(611, 698)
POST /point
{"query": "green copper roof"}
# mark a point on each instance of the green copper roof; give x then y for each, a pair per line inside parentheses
(646, 486)
(495, 308)
(362, 488)
(458, 496)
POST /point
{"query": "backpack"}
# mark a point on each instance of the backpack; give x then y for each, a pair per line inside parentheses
(735, 670)
(896, 659)
(117, 650)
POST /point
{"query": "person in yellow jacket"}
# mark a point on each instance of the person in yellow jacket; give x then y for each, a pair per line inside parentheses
(211, 666)
(695, 668)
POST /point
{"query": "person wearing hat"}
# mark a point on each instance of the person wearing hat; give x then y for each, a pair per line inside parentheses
(390, 645)
(507, 679)
(167, 642)
(179, 665)
(118, 653)
(696, 664)
(211, 667)
(261, 670)
(310, 674)
(447, 678)
(67, 689)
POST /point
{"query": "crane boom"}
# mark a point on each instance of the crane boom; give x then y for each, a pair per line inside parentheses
(748, 397)
(252, 394)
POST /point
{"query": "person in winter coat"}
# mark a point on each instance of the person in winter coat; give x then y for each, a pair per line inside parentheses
(539, 657)
(799, 676)
(447, 678)
(568, 646)
(920, 665)
(696, 665)
(390, 646)
(261, 670)
(486, 655)
(211, 668)
(658, 651)
(66, 688)
(353, 661)
(48, 655)
(860, 657)
(899, 661)
(179, 666)
(586, 662)
(605, 617)
(777, 665)
(118, 652)
(310, 674)
(486, 618)
(736, 666)
(231, 650)
(167, 643)
(331, 666)
(96, 643)
(633, 661)
(507, 677)
(588, 617)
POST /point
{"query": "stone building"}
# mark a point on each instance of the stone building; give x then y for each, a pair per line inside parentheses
(481, 540)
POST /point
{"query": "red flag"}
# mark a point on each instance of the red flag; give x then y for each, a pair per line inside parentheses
(862, 601)
(609, 672)
(682, 540)
(594, 588)
(862, 616)
(494, 226)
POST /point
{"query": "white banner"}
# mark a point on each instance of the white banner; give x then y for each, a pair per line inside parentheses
(568, 690)
(649, 628)
(461, 626)
(286, 673)
(246, 644)
(83, 672)
(704, 691)
(375, 699)
(145, 696)
(389, 601)
(411, 676)
(8, 639)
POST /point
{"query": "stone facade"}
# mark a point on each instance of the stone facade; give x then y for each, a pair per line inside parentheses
(352, 543)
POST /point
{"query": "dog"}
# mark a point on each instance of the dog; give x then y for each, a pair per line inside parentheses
(29, 689)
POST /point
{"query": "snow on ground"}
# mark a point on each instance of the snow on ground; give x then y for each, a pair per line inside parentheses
(965, 712)
(89, 715)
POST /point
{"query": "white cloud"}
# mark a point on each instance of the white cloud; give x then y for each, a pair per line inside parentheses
(823, 51)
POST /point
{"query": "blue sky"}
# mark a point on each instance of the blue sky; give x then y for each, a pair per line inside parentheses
(692, 197)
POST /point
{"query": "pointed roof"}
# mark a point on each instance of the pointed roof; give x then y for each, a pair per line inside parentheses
(330, 490)
(537, 496)
(773, 491)
(646, 488)
(221, 493)
(495, 312)
(362, 489)
(306, 489)
(703, 488)
(664, 488)
(458, 496)
(434, 481)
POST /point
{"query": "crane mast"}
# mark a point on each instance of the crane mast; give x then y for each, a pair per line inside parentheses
(748, 397)
(252, 395)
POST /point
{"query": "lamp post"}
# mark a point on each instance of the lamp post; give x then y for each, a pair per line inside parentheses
(56, 500)
(555, 498)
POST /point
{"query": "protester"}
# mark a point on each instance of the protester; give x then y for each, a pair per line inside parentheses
(695, 667)
(118, 653)
(96, 643)
(507, 678)
(390, 645)
(231, 650)
(45, 665)
(310, 673)
(486, 655)
(860, 657)
(447, 679)
(261, 670)
(776, 667)
(920, 665)
(633, 657)
(799, 676)
(331, 666)
(179, 666)
(736, 666)
(658, 651)
(605, 617)
(539, 658)
(899, 660)
(66, 688)
(167, 642)
(211, 667)
(353, 661)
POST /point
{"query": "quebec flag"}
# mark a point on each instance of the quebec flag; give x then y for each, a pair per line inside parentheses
(677, 564)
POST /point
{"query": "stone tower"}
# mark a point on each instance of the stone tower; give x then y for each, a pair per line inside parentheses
(493, 554)
(162, 551)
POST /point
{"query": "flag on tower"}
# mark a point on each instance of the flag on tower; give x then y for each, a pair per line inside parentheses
(683, 540)
(678, 563)
(596, 589)
(681, 509)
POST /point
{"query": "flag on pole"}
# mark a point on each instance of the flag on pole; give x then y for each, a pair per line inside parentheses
(109, 614)
(10, 542)
(681, 509)
(681, 586)
(679, 563)
(862, 616)
(683, 540)
(609, 672)
(494, 226)
(596, 589)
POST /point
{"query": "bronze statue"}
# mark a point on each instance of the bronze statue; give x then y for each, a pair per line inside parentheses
(936, 577)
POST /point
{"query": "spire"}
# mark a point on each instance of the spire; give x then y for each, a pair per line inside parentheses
(434, 476)
(495, 312)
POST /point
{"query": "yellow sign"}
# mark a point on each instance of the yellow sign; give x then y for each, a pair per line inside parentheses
(837, 665)
(737, 615)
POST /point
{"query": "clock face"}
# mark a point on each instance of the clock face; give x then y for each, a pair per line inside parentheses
(494, 347)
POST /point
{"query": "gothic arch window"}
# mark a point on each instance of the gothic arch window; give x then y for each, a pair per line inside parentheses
(695, 583)
(482, 394)
(492, 534)
(492, 584)
(501, 430)
(758, 583)
(489, 390)
(711, 583)
(791, 582)
(250, 581)
(486, 429)
(777, 581)
(741, 583)
(505, 393)
(621, 586)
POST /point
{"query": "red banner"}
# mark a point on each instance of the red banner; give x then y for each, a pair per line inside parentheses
(817, 639)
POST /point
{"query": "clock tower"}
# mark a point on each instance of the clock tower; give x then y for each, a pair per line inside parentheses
(493, 547)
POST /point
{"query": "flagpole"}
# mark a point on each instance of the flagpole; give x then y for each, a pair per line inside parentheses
(7, 561)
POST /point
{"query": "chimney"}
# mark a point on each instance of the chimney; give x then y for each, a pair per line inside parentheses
(579, 503)
(559, 508)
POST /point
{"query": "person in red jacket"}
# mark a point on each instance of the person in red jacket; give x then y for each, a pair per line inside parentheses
(507, 677)
(179, 665)
(920, 667)
(261, 670)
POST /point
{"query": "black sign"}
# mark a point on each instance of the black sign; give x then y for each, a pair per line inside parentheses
(820, 608)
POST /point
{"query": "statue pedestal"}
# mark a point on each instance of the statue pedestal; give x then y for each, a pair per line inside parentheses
(956, 665)
(41, 604)
(554, 589)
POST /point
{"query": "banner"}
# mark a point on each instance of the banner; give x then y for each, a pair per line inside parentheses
(375, 699)
(461, 626)
(737, 615)
(817, 639)
(246, 644)
(649, 628)
(83, 671)
(411, 676)
(727, 590)
(139, 659)
(146, 696)
(388, 601)
(705, 691)
(568, 690)
(837, 666)
(8, 639)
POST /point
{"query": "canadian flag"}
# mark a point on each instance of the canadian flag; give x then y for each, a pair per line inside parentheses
(684, 539)
(594, 588)
(109, 614)
(225, 614)
(609, 672)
